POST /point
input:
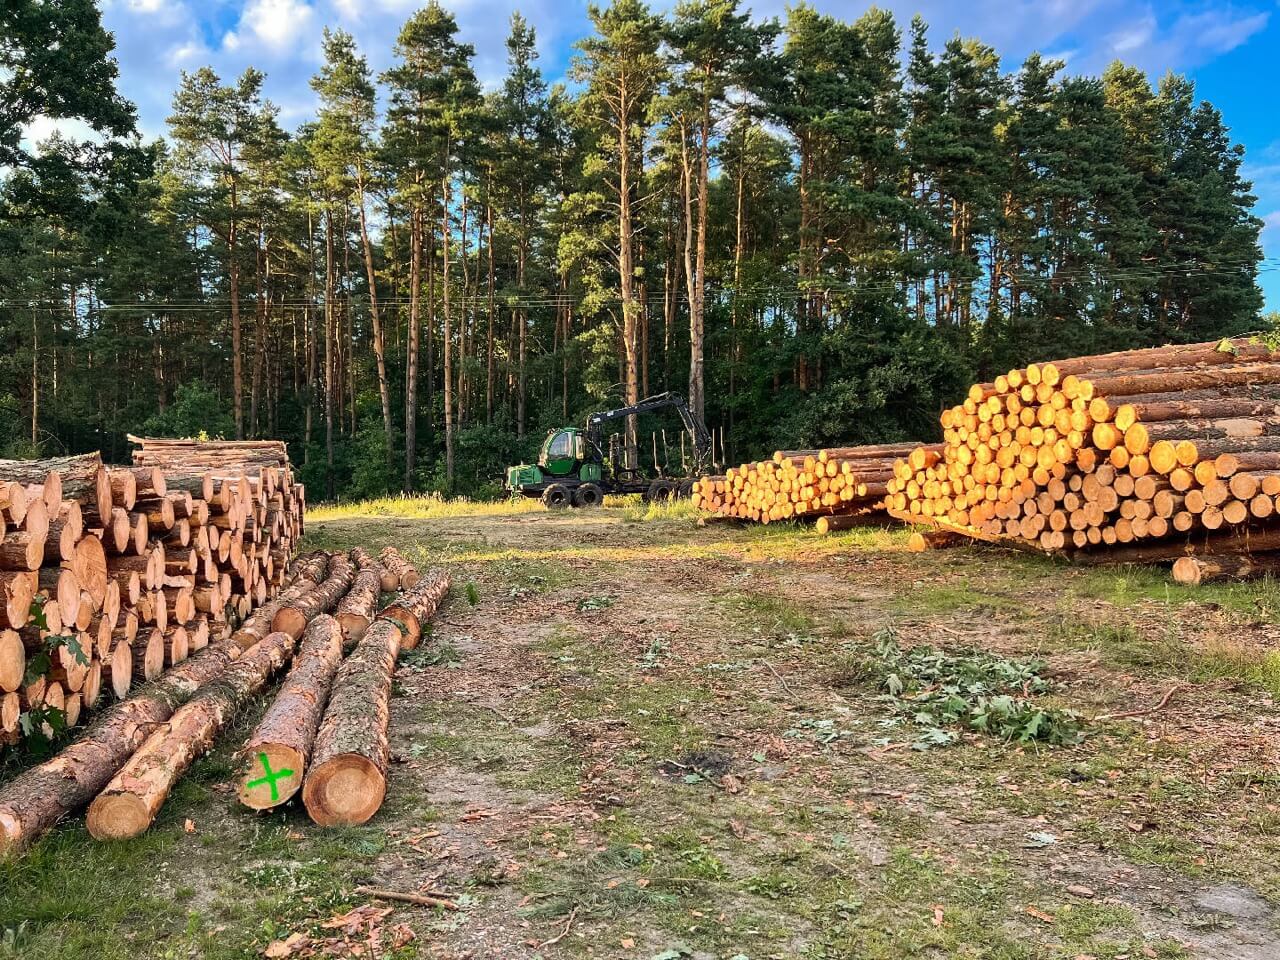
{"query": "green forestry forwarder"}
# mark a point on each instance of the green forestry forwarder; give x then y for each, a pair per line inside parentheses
(574, 470)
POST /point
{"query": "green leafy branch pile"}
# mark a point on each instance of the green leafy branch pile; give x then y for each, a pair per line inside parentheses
(975, 690)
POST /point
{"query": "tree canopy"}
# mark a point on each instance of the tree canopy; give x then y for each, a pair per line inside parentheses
(820, 229)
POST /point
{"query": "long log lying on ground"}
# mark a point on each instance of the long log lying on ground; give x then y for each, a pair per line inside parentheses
(277, 753)
(293, 617)
(355, 611)
(398, 573)
(347, 780)
(38, 798)
(1193, 571)
(413, 609)
(128, 805)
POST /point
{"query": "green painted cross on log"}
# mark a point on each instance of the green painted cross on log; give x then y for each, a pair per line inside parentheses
(270, 777)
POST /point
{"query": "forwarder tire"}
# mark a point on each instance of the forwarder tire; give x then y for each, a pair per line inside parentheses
(588, 495)
(660, 491)
(557, 496)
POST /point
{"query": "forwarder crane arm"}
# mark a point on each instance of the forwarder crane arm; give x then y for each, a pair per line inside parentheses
(697, 429)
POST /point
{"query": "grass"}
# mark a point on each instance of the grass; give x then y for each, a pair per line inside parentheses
(425, 507)
(716, 774)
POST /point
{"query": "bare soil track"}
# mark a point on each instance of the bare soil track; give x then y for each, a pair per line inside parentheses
(647, 739)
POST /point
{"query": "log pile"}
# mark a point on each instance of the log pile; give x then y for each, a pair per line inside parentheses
(110, 575)
(332, 710)
(803, 484)
(1138, 455)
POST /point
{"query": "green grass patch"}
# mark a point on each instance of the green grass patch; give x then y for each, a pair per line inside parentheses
(763, 614)
(425, 507)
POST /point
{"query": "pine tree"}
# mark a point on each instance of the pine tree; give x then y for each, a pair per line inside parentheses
(622, 70)
(212, 125)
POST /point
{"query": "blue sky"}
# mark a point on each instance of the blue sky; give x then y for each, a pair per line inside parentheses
(1231, 51)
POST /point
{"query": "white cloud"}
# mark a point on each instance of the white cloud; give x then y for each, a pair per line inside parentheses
(1271, 223)
(1133, 36)
(43, 127)
(187, 54)
(275, 23)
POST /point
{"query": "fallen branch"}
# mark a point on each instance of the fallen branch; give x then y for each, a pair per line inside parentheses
(790, 693)
(563, 933)
(420, 899)
(1164, 701)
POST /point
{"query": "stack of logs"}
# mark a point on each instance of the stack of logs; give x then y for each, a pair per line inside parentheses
(108, 575)
(1144, 455)
(326, 732)
(825, 484)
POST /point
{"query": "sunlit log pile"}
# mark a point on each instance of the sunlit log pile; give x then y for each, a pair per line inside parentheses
(108, 575)
(804, 484)
(1139, 455)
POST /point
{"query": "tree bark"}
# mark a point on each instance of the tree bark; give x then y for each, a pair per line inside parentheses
(411, 363)
(446, 193)
(276, 755)
(375, 319)
(347, 779)
(128, 805)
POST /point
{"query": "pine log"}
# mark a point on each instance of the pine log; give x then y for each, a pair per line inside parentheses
(83, 478)
(414, 608)
(400, 574)
(1213, 353)
(32, 802)
(277, 753)
(922, 541)
(124, 487)
(355, 611)
(117, 667)
(13, 661)
(292, 617)
(13, 501)
(846, 521)
(128, 804)
(148, 654)
(1193, 571)
(347, 779)
(20, 550)
(307, 572)
(17, 590)
(89, 563)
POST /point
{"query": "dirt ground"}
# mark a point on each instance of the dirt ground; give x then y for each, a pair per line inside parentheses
(647, 739)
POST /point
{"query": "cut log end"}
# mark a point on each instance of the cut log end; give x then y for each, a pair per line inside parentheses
(344, 791)
(117, 816)
(353, 625)
(271, 776)
(289, 620)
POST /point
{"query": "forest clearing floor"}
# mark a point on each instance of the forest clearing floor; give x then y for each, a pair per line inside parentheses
(644, 739)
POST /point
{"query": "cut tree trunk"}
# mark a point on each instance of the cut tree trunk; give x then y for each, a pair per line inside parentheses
(292, 617)
(355, 610)
(416, 607)
(32, 802)
(347, 779)
(277, 753)
(128, 805)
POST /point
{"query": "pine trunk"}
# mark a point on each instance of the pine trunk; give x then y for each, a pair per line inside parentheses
(347, 779)
(277, 753)
(128, 805)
